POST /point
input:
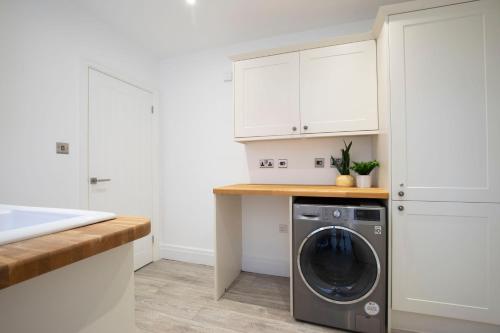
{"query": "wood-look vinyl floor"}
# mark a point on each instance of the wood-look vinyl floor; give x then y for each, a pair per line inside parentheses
(176, 297)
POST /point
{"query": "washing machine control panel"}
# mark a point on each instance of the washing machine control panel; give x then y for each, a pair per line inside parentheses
(367, 214)
(351, 214)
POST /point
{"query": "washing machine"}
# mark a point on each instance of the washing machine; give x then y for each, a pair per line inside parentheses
(339, 264)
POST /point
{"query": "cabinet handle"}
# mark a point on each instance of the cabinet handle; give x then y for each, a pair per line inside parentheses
(306, 127)
(294, 128)
(401, 208)
(401, 193)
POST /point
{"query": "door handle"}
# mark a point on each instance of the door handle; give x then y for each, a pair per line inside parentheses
(95, 180)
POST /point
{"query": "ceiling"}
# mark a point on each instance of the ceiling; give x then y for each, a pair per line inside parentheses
(168, 27)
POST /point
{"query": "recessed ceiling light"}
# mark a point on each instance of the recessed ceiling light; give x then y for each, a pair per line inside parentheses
(191, 2)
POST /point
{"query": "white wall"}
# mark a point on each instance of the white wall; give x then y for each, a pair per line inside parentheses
(198, 153)
(43, 46)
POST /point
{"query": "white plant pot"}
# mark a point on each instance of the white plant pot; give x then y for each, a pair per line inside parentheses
(364, 181)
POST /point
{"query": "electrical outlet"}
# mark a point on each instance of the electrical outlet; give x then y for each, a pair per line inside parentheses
(337, 160)
(319, 162)
(266, 163)
(284, 228)
(282, 163)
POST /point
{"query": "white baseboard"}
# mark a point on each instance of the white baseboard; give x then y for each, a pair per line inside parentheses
(189, 254)
(406, 322)
(195, 255)
(278, 267)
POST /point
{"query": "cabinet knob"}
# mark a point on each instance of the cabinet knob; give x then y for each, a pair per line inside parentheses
(306, 127)
(294, 128)
(401, 193)
(401, 208)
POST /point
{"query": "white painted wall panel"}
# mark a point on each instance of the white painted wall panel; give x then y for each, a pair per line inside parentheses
(198, 151)
(44, 45)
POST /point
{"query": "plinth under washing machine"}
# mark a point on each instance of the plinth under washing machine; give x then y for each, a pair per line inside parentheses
(339, 272)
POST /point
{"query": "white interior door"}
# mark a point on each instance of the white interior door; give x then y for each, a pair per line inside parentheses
(120, 152)
(338, 88)
(446, 259)
(266, 96)
(445, 105)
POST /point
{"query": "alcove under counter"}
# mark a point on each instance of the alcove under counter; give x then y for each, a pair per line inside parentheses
(228, 219)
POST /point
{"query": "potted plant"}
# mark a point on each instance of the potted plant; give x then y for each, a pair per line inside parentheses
(343, 165)
(363, 169)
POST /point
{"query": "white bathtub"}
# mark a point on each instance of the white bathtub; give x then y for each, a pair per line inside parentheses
(19, 222)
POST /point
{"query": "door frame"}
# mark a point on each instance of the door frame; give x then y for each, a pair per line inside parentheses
(83, 144)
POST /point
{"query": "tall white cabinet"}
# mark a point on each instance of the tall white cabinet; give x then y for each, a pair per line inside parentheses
(445, 126)
(445, 103)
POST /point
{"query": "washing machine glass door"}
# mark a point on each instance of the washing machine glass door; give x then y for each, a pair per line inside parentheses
(338, 264)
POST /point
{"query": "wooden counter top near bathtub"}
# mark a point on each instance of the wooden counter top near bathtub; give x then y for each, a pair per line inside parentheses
(26, 259)
(303, 191)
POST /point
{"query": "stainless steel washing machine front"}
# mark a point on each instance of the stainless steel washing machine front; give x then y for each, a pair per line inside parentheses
(339, 269)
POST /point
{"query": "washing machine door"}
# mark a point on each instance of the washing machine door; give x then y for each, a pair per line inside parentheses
(338, 264)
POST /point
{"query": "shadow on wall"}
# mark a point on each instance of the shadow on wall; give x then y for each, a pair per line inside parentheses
(301, 154)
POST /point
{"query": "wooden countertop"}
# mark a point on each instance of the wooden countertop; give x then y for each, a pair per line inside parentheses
(26, 259)
(303, 191)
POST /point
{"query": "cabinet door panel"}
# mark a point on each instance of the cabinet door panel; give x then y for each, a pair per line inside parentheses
(266, 93)
(445, 105)
(338, 88)
(446, 259)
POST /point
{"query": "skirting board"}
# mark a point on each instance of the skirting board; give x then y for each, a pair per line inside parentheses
(189, 254)
(278, 267)
(405, 322)
(201, 256)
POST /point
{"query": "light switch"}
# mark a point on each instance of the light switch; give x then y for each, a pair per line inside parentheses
(62, 148)
(228, 76)
(282, 163)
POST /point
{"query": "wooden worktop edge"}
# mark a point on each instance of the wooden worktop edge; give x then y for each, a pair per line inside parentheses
(302, 190)
(70, 246)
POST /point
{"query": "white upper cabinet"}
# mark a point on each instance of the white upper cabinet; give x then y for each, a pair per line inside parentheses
(266, 96)
(330, 91)
(445, 103)
(338, 88)
(446, 259)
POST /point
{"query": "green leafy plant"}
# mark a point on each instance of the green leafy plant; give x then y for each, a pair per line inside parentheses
(344, 164)
(364, 168)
